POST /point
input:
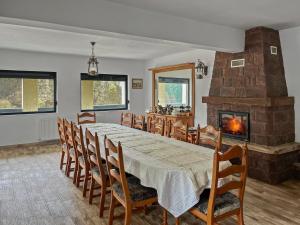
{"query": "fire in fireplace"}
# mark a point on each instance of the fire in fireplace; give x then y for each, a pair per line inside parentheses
(235, 124)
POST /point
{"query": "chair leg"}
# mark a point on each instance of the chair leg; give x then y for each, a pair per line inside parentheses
(240, 217)
(128, 212)
(68, 167)
(165, 217)
(75, 172)
(102, 199)
(91, 190)
(111, 209)
(78, 177)
(210, 222)
(85, 182)
(62, 157)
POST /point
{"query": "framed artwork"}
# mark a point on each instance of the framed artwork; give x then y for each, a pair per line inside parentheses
(137, 83)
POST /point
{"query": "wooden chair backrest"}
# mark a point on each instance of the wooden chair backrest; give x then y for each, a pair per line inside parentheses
(86, 117)
(79, 143)
(158, 126)
(169, 127)
(209, 136)
(150, 122)
(127, 119)
(93, 151)
(61, 132)
(180, 131)
(68, 130)
(236, 151)
(139, 122)
(115, 166)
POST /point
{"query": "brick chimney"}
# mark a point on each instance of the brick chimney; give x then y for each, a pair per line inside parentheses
(259, 88)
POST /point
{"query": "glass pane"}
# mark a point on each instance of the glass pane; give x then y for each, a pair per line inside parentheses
(175, 94)
(97, 94)
(109, 93)
(45, 94)
(10, 95)
(173, 88)
(19, 95)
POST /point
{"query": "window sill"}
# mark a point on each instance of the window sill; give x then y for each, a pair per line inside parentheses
(102, 110)
(21, 113)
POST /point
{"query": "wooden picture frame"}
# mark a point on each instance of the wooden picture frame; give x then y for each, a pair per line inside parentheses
(137, 83)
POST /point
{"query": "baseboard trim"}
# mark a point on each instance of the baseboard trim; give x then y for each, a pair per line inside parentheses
(28, 145)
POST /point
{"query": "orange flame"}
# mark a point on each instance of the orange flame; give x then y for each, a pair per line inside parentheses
(235, 125)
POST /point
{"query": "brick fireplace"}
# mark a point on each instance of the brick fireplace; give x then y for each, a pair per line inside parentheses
(258, 87)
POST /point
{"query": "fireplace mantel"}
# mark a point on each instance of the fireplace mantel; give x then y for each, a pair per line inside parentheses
(264, 102)
(264, 149)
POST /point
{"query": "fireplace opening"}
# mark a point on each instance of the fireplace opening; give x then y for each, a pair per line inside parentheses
(235, 124)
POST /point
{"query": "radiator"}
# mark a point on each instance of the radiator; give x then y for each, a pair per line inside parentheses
(48, 129)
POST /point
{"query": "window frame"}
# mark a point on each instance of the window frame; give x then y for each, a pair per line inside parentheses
(105, 77)
(31, 75)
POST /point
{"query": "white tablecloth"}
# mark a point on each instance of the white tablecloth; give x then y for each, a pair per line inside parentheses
(179, 171)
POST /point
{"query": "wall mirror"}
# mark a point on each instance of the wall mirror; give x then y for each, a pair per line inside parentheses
(174, 85)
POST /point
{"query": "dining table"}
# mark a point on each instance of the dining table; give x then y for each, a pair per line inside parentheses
(178, 170)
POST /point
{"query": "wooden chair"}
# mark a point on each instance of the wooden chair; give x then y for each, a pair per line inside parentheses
(127, 119)
(127, 191)
(157, 126)
(62, 140)
(71, 153)
(99, 174)
(139, 122)
(222, 203)
(180, 131)
(86, 117)
(82, 162)
(209, 136)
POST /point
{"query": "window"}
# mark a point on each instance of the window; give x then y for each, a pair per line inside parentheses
(173, 91)
(27, 92)
(104, 92)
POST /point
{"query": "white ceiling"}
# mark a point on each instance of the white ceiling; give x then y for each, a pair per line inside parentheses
(78, 43)
(244, 14)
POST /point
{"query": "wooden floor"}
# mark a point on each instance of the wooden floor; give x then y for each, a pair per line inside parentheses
(34, 191)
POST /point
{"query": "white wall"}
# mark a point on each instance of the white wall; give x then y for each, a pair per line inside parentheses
(202, 86)
(290, 41)
(18, 129)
